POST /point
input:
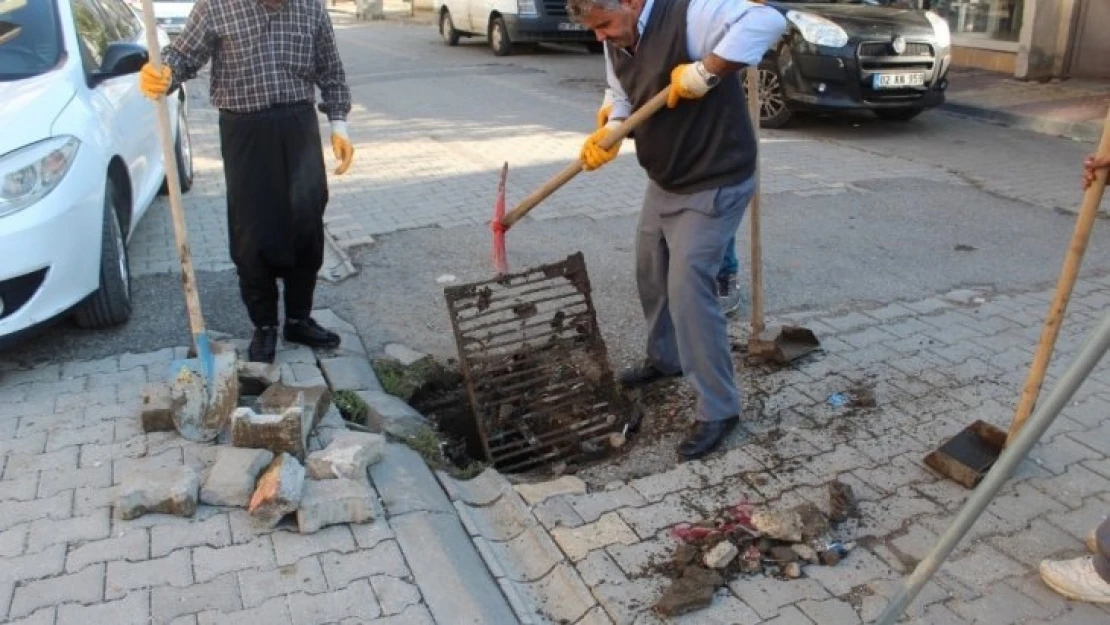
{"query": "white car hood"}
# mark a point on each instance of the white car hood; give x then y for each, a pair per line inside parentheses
(29, 108)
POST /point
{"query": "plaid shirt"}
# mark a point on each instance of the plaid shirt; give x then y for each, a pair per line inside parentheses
(261, 55)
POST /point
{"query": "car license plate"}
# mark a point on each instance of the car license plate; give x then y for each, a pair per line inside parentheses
(571, 26)
(897, 81)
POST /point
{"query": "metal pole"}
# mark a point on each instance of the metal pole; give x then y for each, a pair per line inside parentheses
(1012, 455)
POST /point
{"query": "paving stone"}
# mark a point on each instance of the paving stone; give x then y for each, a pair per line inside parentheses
(165, 491)
(134, 609)
(285, 432)
(346, 456)
(12, 540)
(1037, 541)
(350, 373)
(501, 521)
(278, 492)
(209, 563)
(481, 490)
(99, 433)
(123, 577)
(291, 547)
(46, 532)
(84, 587)
(331, 502)
(829, 611)
(169, 460)
(556, 512)
(640, 558)
(33, 566)
(395, 595)
(447, 568)
(610, 529)
(169, 602)
(406, 484)
(156, 409)
(354, 602)
(593, 505)
(412, 615)
(790, 615)
(368, 535)
(17, 512)
(1073, 486)
(231, 481)
(93, 455)
(558, 597)
(404, 354)
(132, 545)
(260, 586)
(212, 532)
(398, 419)
(767, 595)
(859, 568)
(983, 567)
(340, 569)
(1060, 452)
(28, 463)
(526, 558)
(22, 488)
(1000, 603)
(52, 482)
(655, 487)
(651, 519)
(625, 600)
(273, 612)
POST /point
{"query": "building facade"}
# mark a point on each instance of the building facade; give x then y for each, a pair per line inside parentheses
(1030, 39)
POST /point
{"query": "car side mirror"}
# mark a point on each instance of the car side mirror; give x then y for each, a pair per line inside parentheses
(121, 59)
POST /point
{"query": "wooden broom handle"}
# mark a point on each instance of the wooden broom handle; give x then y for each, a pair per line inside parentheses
(1072, 260)
(572, 170)
(752, 78)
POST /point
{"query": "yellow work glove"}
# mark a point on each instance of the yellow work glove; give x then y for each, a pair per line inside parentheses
(689, 81)
(154, 83)
(593, 155)
(341, 146)
(603, 114)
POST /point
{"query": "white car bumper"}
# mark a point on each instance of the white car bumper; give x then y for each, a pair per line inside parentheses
(51, 250)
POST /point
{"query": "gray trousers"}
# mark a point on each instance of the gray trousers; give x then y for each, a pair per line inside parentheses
(679, 248)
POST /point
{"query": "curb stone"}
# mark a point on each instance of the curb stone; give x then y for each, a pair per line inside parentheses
(1086, 131)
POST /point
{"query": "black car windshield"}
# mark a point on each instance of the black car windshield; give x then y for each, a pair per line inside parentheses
(30, 41)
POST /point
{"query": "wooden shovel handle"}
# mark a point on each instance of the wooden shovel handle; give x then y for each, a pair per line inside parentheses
(1072, 261)
(752, 77)
(570, 171)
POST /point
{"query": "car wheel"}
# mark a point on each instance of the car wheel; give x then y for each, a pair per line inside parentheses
(897, 115)
(183, 151)
(595, 47)
(773, 111)
(499, 37)
(110, 305)
(447, 29)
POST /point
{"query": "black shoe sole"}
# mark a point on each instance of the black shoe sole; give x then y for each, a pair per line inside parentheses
(642, 382)
(313, 344)
(701, 454)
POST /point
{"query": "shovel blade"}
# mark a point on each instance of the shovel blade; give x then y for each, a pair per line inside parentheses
(969, 455)
(202, 402)
(783, 344)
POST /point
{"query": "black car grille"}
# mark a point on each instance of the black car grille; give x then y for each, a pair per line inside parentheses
(18, 291)
(555, 8)
(884, 48)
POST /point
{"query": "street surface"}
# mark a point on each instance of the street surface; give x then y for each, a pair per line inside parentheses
(923, 254)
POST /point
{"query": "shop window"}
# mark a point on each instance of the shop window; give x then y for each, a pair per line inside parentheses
(996, 20)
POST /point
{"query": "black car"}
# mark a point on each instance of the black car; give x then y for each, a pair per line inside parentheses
(855, 54)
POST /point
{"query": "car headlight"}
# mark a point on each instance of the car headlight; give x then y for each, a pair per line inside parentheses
(940, 27)
(818, 30)
(526, 8)
(29, 174)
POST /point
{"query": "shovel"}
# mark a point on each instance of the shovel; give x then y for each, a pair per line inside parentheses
(500, 225)
(780, 344)
(204, 389)
(967, 456)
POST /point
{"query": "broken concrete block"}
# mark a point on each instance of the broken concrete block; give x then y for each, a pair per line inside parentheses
(347, 456)
(404, 354)
(158, 491)
(156, 413)
(395, 416)
(256, 377)
(232, 478)
(278, 397)
(805, 552)
(720, 556)
(792, 570)
(286, 432)
(693, 591)
(278, 492)
(329, 502)
(785, 526)
(201, 408)
(352, 373)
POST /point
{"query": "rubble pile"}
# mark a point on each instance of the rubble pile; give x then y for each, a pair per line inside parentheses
(745, 540)
(285, 453)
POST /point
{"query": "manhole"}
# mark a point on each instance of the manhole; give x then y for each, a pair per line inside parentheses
(536, 368)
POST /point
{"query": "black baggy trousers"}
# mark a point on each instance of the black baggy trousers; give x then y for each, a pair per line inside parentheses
(277, 190)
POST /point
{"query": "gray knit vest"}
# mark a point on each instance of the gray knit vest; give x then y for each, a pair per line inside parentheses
(700, 144)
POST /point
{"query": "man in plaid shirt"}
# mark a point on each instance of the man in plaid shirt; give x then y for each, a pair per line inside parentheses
(268, 57)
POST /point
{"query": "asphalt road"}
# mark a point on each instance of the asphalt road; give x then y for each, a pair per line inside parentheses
(1001, 221)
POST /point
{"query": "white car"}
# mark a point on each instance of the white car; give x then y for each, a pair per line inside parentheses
(80, 159)
(505, 22)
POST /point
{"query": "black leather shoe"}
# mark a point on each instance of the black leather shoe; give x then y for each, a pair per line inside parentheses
(263, 344)
(642, 375)
(705, 437)
(308, 332)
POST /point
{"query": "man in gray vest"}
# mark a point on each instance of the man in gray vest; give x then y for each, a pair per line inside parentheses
(699, 154)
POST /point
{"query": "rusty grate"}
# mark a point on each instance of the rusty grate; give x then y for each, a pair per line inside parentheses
(535, 367)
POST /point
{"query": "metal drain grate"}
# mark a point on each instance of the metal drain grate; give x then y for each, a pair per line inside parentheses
(536, 368)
